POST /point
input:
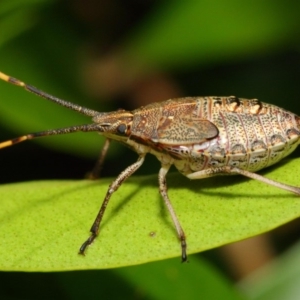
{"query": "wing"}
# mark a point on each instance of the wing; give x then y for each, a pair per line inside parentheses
(184, 131)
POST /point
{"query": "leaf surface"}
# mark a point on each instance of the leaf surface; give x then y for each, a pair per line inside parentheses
(43, 223)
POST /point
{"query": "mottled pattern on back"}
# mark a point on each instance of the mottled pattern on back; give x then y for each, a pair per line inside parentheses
(251, 134)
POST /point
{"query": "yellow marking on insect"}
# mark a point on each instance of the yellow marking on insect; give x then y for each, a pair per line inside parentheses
(12, 142)
(6, 144)
(4, 76)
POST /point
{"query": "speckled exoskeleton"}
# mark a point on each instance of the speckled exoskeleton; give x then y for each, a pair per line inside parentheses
(200, 136)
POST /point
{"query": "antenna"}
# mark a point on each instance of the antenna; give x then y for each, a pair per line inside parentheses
(34, 90)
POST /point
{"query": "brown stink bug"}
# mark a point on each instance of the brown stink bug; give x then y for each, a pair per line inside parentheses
(200, 136)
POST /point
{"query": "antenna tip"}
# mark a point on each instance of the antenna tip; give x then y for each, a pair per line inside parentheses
(4, 76)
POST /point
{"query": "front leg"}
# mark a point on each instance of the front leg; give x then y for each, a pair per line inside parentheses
(112, 188)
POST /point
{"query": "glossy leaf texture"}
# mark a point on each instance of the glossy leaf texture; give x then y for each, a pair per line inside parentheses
(44, 223)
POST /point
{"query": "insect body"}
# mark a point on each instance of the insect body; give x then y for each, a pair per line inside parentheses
(201, 136)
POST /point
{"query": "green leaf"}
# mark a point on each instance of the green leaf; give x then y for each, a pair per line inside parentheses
(278, 280)
(182, 34)
(167, 279)
(44, 223)
(18, 16)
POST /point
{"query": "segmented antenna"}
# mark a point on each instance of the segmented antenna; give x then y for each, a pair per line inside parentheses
(69, 105)
(59, 131)
(34, 90)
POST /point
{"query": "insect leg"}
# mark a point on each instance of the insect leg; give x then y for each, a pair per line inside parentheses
(95, 173)
(234, 170)
(280, 185)
(112, 188)
(163, 191)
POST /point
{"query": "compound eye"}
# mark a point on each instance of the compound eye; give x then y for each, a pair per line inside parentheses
(121, 129)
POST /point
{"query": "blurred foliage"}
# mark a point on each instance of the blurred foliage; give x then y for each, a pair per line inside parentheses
(193, 33)
(159, 280)
(277, 280)
(249, 50)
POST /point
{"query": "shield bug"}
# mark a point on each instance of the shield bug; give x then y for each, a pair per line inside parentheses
(200, 136)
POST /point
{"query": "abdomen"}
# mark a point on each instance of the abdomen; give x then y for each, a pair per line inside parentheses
(252, 135)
